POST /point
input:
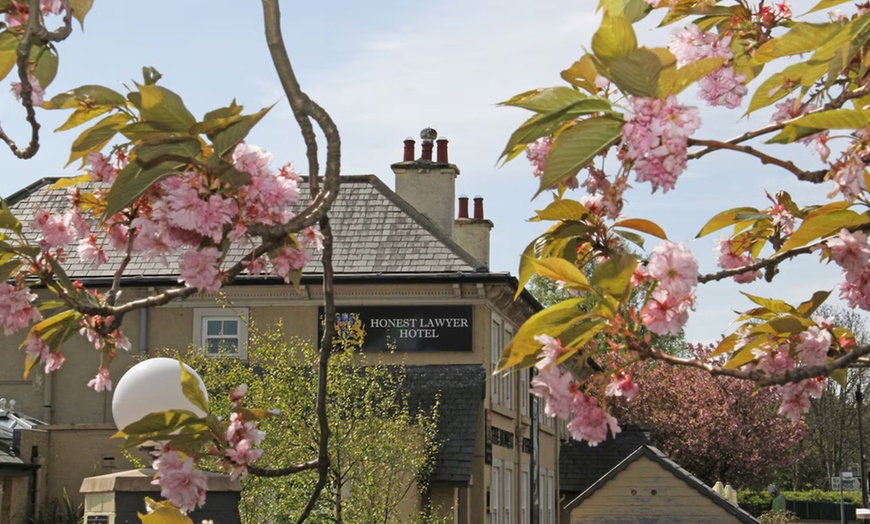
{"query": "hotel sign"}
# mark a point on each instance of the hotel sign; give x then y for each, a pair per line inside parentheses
(411, 328)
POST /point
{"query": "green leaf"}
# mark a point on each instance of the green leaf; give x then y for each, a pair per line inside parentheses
(817, 226)
(523, 348)
(827, 4)
(776, 306)
(633, 10)
(563, 209)
(176, 148)
(726, 345)
(615, 38)
(95, 138)
(810, 306)
(634, 238)
(62, 277)
(213, 126)
(158, 423)
(231, 110)
(614, 275)
(10, 269)
(561, 270)
(644, 226)
(7, 219)
(526, 269)
(164, 109)
(82, 115)
(134, 179)
(8, 52)
(576, 147)
(140, 131)
(87, 95)
(637, 73)
(80, 9)
(834, 119)
(547, 100)
(255, 414)
(724, 219)
(777, 87)
(674, 81)
(226, 140)
(45, 69)
(570, 229)
(579, 335)
(801, 38)
(582, 74)
(192, 389)
(150, 75)
(227, 172)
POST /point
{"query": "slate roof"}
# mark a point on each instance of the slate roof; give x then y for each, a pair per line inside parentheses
(581, 465)
(376, 232)
(459, 391)
(657, 456)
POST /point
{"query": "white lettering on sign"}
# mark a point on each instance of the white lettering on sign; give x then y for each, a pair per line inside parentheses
(419, 327)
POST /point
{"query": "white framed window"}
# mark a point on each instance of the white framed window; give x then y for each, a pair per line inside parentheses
(508, 493)
(525, 487)
(507, 378)
(221, 331)
(495, 355)
(495, 493)
(551, 496)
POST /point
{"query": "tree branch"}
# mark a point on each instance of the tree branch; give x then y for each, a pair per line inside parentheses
(22, 64)
(815, 177)
(282, 472)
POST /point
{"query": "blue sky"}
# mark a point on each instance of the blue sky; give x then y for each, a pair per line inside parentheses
(387, 69)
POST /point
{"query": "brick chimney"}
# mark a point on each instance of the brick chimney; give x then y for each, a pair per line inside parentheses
(472, 233)
(428, 185)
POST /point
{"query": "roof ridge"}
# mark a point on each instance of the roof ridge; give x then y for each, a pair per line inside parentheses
(30, 189)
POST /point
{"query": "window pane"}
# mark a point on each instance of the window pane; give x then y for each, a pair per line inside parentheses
(213, 327)
(213, 346)
(222, 345)
(231, 327)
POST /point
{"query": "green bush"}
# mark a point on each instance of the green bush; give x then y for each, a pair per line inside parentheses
(758, 502)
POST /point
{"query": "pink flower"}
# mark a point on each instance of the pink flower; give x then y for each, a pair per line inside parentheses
(237, 394)
(664, 314)
(179, 481)
(537, 152)
(257, 266)
(814, 345)
(314, 238)
(16, 308)
(101, 382)
(56, 230)
(849, 176)
(622, 386)
(850, 250)
(691, 44)
(37, 348)
(551, 350)
(590, 422)
(252, 160)
(99, 167)
(287, 260)
(91, 253)
(855, 289)
(554, 387)
(675, 268)
(796, 397)
(54, 7)
(36, 93)
(723, 87)
(200, 269)
(728, 260)
(54, 361)
(654, 139)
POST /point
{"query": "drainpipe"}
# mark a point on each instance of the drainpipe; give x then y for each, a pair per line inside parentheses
(534, 460)
(47, 398)
(143, 331)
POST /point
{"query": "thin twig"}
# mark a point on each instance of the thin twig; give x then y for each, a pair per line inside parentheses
(807, 176)
(23, 63)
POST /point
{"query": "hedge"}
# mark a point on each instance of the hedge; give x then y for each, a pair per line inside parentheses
(757, 502)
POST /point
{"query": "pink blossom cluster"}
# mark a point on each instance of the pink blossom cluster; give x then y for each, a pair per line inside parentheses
(722, 87)
(622, 385)
(813, 345)
(728, 259)
(655, 139)
(851, 252)
(37, 93)
(37, 349)
(242, 439)
(588, 421)
(789, 109)
(18, 12)
(180, 482)
(16, 308)
(101, 382)
(667, 307)
(605, 197)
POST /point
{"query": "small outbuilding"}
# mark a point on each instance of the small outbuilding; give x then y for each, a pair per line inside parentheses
(647, 487)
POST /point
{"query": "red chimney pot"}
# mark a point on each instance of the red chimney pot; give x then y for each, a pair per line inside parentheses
(463, 206)
(478, 208)
(409, 150)
(442, 150)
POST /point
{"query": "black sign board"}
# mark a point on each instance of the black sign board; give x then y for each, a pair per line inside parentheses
(408, 328)
(98, 519)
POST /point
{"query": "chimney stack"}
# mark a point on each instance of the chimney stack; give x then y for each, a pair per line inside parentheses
(409, 150)
(473, 233)
(442, 150)
(428, 185)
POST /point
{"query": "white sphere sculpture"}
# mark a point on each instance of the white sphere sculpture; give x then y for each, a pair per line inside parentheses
(149, 386)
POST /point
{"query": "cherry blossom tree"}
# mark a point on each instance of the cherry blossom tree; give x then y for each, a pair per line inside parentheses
(714, 427)
(625, 116)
